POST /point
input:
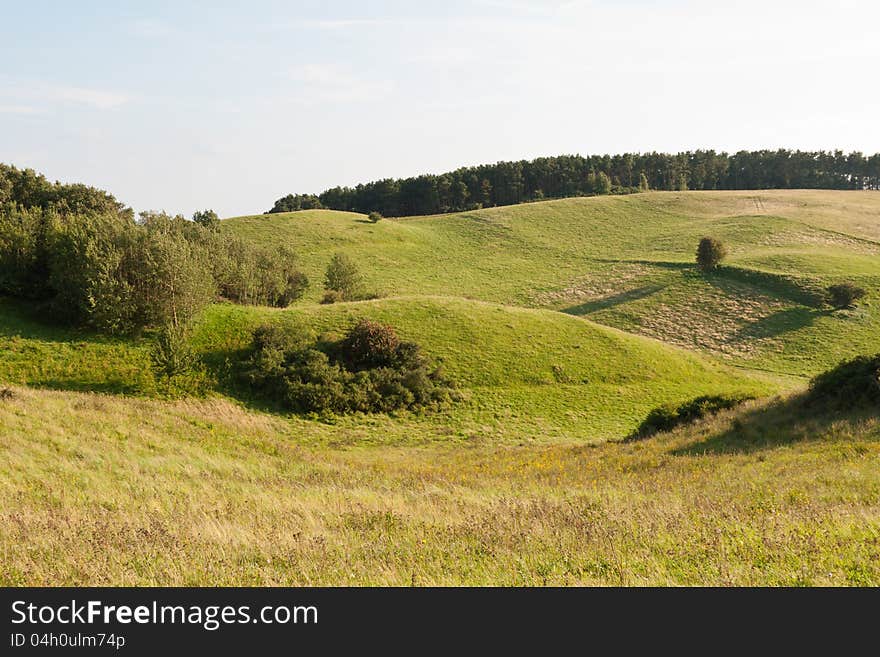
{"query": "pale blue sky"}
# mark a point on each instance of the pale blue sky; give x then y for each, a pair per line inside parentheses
(184, 105)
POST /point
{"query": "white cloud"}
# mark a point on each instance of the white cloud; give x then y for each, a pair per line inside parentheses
(38, 97)
(97, 98)
(326, 83)
(20, 109)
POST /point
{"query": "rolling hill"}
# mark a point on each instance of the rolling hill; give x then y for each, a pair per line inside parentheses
(526, 374)
(562, 323)
(627, 262)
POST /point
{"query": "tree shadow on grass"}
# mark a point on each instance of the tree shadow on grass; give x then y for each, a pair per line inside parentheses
(661, 264)
(111, 386)
(783, 421)
(790, 288)
(613, 300)
(778, 323)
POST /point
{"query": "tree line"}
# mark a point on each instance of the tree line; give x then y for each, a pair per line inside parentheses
(509, 183)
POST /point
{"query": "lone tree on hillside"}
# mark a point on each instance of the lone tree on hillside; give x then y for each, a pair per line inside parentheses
(844, 295)
(710, 253)
(207, 218)
(342, 277)
(375, 217)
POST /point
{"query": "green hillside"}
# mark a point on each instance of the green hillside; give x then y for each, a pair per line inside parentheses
(526, 374)
(627, 262)
(563, 323)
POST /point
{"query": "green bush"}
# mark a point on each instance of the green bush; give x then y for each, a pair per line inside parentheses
(102, 270)
(253, 275)
(844, 295)
(369, 370)
(851, 384)
(22, 251)
(375, 217)
(78, 252)
(207, 219)
(710, 253)
(342, 276)
(669, 416)
(172, 353)
(332, 296)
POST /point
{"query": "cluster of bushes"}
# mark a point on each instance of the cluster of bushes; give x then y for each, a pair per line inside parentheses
(369, 370)
(669, 416)
(852, 384)
(82, 256)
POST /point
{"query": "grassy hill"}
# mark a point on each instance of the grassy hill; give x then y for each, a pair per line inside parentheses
(627, 262)
(526, 374)
(563, 323)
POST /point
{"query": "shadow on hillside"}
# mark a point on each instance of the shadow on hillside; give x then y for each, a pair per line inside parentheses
(613, 300)
(778, 323)
(20, 321)
(661, 264)
(109, 386)
(792, 289)
(781, 422)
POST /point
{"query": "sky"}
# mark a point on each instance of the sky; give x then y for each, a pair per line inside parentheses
(180, 106)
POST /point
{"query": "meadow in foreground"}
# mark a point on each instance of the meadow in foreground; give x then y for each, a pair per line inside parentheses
(104, 490)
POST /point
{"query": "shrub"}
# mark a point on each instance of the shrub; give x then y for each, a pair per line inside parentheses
(91, 274)
(79, 253)
(375, 217)
(710, 253)
(207, 219)
(342, 276)
(844, 295)
(368, 370)
(332, 296)
(370, 344)
(851, 384)
(669, 416)
(172, 353)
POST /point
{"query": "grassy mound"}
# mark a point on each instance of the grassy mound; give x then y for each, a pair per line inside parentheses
(524, 374)
(627, 262)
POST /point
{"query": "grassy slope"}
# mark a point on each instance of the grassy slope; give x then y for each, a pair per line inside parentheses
(502, 357)
(503, 489)
(105, 490)
(626, 262)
